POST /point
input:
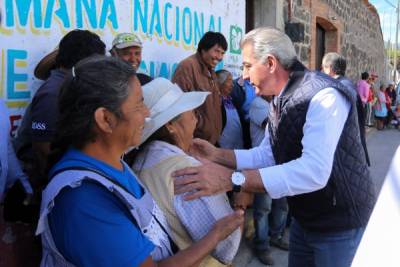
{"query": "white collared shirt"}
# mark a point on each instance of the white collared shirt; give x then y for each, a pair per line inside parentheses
(325, 119)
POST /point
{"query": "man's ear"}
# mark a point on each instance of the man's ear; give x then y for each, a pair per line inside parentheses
(272, 63)
(105, 120)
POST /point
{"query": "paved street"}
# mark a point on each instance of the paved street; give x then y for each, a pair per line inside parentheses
(381, 147)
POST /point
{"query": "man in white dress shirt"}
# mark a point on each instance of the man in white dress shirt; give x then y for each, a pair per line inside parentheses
(312, 153)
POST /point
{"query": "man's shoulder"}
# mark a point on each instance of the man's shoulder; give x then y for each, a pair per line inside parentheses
(317, 81)
(46, 95)
(187, 68)
(347, 82)
(176, 160)
(51, 86)
(190, 61)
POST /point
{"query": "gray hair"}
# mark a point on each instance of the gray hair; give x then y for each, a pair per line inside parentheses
(222, 75)
(270, 41)
(336, 62)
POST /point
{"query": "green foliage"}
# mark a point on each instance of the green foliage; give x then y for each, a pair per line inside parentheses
(390, 53)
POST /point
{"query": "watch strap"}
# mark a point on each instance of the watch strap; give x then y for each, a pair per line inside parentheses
(237, 188)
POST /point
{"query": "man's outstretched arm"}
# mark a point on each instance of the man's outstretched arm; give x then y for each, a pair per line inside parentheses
(325, 120)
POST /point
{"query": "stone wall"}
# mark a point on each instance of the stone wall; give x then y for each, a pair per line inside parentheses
(352, 29)
(298, 21)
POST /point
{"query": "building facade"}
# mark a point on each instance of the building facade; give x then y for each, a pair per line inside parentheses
(350, 28)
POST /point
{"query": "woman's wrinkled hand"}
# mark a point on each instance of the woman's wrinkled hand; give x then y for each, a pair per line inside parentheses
(228, 224)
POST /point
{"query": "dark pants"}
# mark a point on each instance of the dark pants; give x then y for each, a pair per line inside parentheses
(311, 249)
(269, 219)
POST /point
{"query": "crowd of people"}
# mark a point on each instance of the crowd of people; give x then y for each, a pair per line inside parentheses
(130, 170)
(380, 103)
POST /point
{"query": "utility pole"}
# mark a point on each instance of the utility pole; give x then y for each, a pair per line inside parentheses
(397, 39)
(386, 44)
(394, 49)
(390, 36)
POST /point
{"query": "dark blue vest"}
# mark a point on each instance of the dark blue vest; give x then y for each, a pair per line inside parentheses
(347, 200)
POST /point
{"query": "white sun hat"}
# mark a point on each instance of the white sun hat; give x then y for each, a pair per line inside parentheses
(166, 101)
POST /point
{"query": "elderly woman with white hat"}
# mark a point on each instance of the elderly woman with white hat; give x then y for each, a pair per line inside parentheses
(166, 140)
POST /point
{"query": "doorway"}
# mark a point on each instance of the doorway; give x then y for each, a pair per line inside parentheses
(320, 47)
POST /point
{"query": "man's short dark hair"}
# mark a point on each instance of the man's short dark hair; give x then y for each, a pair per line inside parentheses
(364, 75)
(336, 62)
(210, 39)
(77, 45)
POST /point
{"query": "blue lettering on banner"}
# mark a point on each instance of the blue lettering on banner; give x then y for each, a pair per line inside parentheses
(23, 7)
(187, 30)
(167, 22)
(189, 25)
(177, 24)
(198, 28)
(43, 12)
(108, 12)
(156, 20)
(167, 33)
(13, 77)
(61, 13)
(158, 69)
(90, 12)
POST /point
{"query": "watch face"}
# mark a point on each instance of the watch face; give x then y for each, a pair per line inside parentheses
(238, 178)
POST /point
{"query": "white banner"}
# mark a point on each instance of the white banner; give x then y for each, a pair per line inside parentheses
(170, 31)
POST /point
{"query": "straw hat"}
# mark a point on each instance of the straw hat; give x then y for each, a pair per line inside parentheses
(45, 65)
(166, 101)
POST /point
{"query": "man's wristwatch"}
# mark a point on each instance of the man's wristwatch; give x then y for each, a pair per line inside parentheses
(238, 180)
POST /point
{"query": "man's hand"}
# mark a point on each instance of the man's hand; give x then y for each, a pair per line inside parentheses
(202, 149)
(207, 179)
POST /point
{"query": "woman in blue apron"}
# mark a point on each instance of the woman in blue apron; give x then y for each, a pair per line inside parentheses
(94, 210)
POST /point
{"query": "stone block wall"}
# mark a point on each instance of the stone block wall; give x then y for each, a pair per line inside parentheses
(352, 29)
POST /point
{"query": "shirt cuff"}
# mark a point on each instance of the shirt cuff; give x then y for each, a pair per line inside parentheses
(244, 159)
(274, 182)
